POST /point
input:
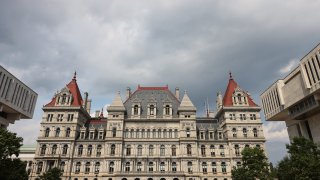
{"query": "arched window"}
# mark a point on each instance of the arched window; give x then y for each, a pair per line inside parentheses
(139, 166)
(247, 145)
(221, 150)
(143, 133)
(89, 152)
(62, 165)
(204, 167)
(150, 166)
(139, 150)
(151, 150)
(258, 146)
(135, 110)
(65, 149)
(80, 149)
(167, 110)
(223, 167)
(57, 132)
(46, 134)
(214, 167)
(54, 149)
(43, 149)
(154, 135)
(148, 133)
(152, 110)
(212, 151)
(113, 149)
(39, 169)
(128, 150)
(162, 166)
(78, 165)
(111, 167)
(87, 167)
(255, 132)
(244, 130)
(64, 99)
(170, 133)
(99, 147)
(68, 132)
(132, 133)
(174, 166)
(97, 167)
(203, 150)
(159, 133)
(189, 152)
(173, 150)
(237, 150)
(234, 132)
(137, 133)
(189, 167)
(127, 166)
(164, 133)
(162, 150)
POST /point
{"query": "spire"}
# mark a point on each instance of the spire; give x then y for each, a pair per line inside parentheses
(74, 76)
(219, 100)
(186, 104)
(101, 114)
(117, 104)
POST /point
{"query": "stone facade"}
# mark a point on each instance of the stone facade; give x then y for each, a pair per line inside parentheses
(152, 135)
(296, 98)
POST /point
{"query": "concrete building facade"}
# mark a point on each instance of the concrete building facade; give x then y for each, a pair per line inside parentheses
(17, 101)
(152, 135)
(296, 98)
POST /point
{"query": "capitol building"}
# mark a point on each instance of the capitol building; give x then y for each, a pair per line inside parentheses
(151, 134)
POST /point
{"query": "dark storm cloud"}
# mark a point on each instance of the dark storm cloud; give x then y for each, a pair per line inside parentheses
(190, 44)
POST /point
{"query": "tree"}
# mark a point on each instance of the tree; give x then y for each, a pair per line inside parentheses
(53, 174)
(254, 165)
(303, 161)
(11, 169)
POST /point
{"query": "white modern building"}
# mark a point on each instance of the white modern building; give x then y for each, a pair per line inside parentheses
(153, 134)
(17, 101)
(295, 99)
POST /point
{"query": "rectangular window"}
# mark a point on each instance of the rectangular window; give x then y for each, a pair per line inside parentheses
(60, 117)
(100, 135)
(70, 117)
(49, 117)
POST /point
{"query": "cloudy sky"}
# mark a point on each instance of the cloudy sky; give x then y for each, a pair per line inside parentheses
(188, 44)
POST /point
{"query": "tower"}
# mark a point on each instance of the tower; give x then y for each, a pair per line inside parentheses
(61, 123)
(239, 121)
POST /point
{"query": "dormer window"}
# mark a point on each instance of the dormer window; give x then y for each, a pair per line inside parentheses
(63, 99)
(240, 98)
(135, 109)
(167, 110)
(151, 109)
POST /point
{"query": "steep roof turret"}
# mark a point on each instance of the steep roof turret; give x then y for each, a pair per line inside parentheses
(117, 104)
(186, 104)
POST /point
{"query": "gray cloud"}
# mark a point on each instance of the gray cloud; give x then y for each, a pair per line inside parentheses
(190, 44)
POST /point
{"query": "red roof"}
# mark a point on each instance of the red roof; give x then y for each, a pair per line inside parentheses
(74, 90)
(232, 86)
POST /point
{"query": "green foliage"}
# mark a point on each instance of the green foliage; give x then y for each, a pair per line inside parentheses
(9, 144)
(52, 174)
(303, 161)
(254, 165)
(11, 169)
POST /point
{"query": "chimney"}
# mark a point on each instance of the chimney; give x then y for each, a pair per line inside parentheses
(177, 93)
(89, 106)
(128, 93)
(97, 113)
(85, 100)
